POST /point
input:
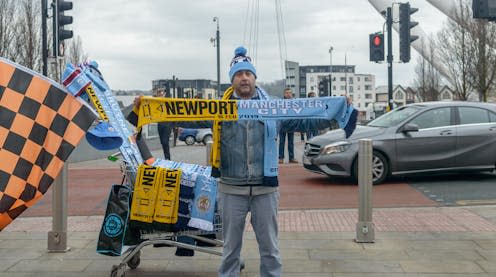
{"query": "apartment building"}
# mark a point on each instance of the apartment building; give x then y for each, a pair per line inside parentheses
(344, 81)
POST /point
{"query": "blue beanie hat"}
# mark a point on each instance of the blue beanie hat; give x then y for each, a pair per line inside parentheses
(241, 62)
(104, 137)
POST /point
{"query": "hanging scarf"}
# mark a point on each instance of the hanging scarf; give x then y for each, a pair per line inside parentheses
(345, 120)
(270, 144)
(203, 208)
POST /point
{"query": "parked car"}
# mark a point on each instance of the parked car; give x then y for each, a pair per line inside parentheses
(413, 139)
(190, 136)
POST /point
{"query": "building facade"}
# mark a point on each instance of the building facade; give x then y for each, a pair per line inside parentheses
(344, 81)
(178, 88)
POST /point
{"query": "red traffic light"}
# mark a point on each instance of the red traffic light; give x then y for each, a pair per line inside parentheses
(377, 40)
(376, 44)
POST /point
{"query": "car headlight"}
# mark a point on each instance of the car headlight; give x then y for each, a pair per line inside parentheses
(336, 147)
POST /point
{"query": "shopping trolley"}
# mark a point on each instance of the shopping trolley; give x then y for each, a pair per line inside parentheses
(132, 256)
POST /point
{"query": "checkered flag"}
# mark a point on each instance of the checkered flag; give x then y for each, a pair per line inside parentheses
(40, 125)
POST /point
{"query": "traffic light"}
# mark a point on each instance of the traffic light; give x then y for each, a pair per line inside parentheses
(484, 9)
(63, 20)
(376, 42)
(405, 25)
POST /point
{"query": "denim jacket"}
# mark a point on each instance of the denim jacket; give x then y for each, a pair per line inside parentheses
(242, 146)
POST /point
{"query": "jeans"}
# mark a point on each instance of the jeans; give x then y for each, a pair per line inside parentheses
(282, 141)
(164, 132)
(263, 209)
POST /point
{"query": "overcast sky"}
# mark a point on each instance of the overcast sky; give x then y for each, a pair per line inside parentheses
(136, 42)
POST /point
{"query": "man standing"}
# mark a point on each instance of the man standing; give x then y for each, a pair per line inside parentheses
(164, 131)
(248, 172)
(288, 94)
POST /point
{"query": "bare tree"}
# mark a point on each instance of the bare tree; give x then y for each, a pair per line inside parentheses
(28, 30)
(468, 49)
(483, 66)
(428, 78)
(7, 32)
(75, 53)
(453, 44)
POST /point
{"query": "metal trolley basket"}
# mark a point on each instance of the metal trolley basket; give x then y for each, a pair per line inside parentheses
(132, 256)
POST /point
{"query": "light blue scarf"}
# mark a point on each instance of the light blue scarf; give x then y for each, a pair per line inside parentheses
(77, 79)
(203, 209)
(302, 108)
(271, 168)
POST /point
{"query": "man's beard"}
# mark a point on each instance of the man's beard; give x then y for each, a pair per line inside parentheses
(245, 91)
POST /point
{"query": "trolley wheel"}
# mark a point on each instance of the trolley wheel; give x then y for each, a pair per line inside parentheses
(117, 271)
(134, 262)
(241, 265)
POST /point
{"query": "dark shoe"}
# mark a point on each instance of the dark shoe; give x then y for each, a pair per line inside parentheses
(281, 161)
(183, 252)
(293, 161)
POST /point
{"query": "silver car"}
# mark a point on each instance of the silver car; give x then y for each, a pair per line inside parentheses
(413, 139)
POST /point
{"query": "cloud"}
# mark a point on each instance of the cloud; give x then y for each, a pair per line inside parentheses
(138, 41)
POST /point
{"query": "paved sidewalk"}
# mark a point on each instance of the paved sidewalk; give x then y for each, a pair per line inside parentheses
(409, 242)
(412, 242)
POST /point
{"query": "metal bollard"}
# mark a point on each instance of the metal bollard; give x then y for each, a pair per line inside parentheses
(365, 226)
(57, 238)
(209, 151)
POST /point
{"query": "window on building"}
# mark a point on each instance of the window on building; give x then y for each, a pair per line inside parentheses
(358, 79)
(350, 80)
(368, 87)
(343, 79)
(368, 96)
(351, 89)
(366, 79)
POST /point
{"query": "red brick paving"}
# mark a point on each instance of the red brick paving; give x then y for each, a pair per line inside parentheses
(309, 203)
(87, 193)
(300, 189)
(413, 219)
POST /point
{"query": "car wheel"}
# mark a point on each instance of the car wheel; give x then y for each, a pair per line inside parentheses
(189, 140)
(380, 168)
(206, 139)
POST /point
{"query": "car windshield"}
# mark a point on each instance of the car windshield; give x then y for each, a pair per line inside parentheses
(394, 117)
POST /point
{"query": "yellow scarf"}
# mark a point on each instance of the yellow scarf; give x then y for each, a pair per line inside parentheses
(156, 109)
(215, 153)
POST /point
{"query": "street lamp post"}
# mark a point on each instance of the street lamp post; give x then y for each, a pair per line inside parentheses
(330, 71)
(217, 38)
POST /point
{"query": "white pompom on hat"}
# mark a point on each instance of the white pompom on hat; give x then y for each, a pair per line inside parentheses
(241, 62)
